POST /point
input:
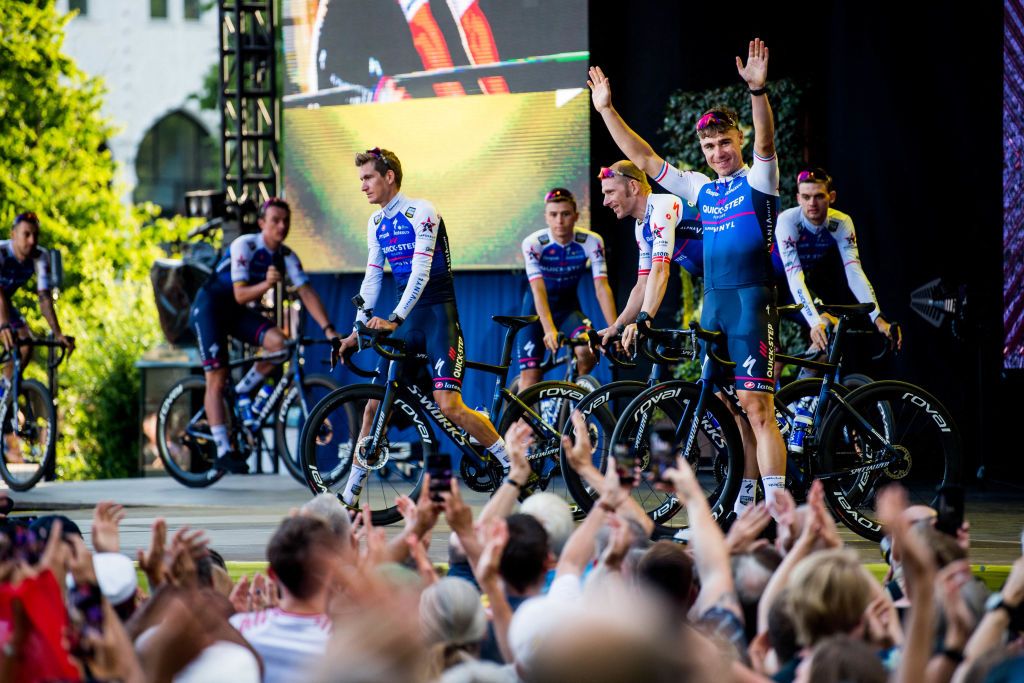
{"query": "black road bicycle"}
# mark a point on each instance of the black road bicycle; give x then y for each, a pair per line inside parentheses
(183, 436)
(401, 434)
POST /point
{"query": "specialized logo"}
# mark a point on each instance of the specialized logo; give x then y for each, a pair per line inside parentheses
(675, 207)
(438, 365)
(528, 347)
(748, 364)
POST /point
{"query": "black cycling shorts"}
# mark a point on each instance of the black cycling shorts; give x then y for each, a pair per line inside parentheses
(213, 318)
(434, 331)
(749, 320)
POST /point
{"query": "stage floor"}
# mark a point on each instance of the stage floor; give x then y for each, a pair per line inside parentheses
(240, 513)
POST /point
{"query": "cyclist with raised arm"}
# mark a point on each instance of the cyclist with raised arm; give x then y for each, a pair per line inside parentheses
(667, 229)
(806, 236)
(738, 212)
(556, 258)
(254, 264)
(21, 257)
(410, 235)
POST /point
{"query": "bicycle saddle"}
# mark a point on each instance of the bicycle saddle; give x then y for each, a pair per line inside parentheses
(515, 322)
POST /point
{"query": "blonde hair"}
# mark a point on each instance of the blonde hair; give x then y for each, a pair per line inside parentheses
(633, 171)
(829, 592)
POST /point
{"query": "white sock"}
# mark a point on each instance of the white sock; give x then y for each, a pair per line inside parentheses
(249, 382)
(773, 484)
(354, 485)
(745, 499)
(220, 437)
(498, 450)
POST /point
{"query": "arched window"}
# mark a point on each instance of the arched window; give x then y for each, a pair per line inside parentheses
(175, 156)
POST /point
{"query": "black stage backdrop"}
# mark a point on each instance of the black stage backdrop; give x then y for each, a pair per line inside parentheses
(906, 116)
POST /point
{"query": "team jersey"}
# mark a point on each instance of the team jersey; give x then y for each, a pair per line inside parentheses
(669, 231)
(802, 245)
(410, 235)
(249, 259)
(685, 184)
(562, 266)
(14, 273)
(739, 213)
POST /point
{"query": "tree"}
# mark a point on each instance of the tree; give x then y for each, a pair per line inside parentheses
(53, 161)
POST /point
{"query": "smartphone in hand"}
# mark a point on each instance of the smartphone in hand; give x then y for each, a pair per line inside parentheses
(439, 467)
(950, 508)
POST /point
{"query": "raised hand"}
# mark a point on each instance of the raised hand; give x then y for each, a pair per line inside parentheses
(517, 441)
(600, 89)
(495, 538)
(755, 71)
(579, 453)
(106, 518)
(743, 533)
(152, 561)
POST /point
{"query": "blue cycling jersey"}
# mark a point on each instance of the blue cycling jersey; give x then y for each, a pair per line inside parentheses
(410, 235)
(670, 231)
(247, 262)
(738, 213)
(14, 273)
(561, 266)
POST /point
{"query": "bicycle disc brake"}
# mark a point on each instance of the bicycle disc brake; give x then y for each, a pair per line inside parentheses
(379, 459)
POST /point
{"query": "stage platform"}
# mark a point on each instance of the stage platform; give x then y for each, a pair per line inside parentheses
(239, 513)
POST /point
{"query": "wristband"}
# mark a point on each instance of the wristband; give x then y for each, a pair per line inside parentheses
(510, 480)
(955, 656)
(760, 91)
(643, 317)
(396, 319)
(621, 328)
(328, 326)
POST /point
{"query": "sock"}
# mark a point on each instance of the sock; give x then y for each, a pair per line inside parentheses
(220, 437)
(249, 382)
(497, 449)
(773, 484)
(745, 499)
(354, 485)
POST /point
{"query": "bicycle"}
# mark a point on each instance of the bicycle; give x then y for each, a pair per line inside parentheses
(553, 360)
(184, 441)
(868, 437)
(400, 437)
(28, 442)
(711, 442)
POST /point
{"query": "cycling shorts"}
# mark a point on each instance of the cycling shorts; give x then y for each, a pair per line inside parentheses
(570, 321)
(749, 320)
(17, 319)
(213, 319)
(432, 330)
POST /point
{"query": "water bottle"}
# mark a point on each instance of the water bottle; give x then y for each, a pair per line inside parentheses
(260, 401)
(802, 420)
(244, 410)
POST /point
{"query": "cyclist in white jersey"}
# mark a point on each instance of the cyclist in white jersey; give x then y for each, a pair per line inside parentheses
(658, 218)
(807, 233)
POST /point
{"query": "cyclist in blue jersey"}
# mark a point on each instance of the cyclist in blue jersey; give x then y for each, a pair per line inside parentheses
(806, 236)
(556, 258)
(738, 212)
(410, 235)
(21, 257)
(254, 265)
(667, 229)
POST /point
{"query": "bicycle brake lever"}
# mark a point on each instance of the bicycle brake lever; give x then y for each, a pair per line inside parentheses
(335, 352)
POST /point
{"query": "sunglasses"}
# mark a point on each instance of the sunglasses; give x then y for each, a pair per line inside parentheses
(377, 152)
(559, 193)
(813, 175)
(606, 172)
(715, 117)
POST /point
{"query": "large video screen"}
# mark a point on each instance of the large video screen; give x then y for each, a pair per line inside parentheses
(484, 102)
(1013, 196)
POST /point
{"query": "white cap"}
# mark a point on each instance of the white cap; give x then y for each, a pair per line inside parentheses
(222, 661)
(116, 576)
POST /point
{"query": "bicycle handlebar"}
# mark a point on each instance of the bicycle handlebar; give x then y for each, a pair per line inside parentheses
(595, 346)
(64, 354)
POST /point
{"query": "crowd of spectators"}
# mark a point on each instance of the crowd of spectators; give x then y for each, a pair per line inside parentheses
(528, 595)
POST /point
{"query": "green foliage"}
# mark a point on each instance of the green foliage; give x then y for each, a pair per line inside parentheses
(786, 97)
(208, 97)
(53, 162)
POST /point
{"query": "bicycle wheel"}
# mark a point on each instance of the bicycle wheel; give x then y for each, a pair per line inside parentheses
(291, 414)
(553, 401)
(588, 382)
(717, 454)
(330, 439)
(889, 431)
(184, 442)
(598, 409)
(28, 443)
